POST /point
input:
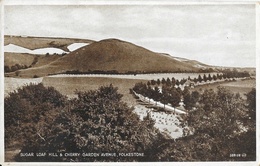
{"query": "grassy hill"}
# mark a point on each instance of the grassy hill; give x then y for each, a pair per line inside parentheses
(10, 59)
(111, 54)
(22, 59)
(42, 42)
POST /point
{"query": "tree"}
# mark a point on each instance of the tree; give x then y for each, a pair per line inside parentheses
(168, 82)
(153, 82)
(177, 82)
(214, 77)
(140, 88)
(158, 82)
(163, 81)
(195, 80)
(98, 122)
(251, 103)
(175, 97)
(209, 78)
(165, 95)
(195, 97)
(205, 78)
(156, 94)
(216, 132)
(25, 107)
(7, 69)
(173, 81)
(199, 78)
(149, 93)
(148, 83)
(190, 98)
(187, 98)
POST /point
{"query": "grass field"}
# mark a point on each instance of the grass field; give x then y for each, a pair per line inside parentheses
(68, 85)
(12, 84)
(240, 86)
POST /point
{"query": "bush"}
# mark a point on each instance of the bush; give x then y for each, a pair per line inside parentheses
(96, 121)
(25, 107)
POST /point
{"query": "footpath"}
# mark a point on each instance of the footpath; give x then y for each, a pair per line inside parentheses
(158, 104)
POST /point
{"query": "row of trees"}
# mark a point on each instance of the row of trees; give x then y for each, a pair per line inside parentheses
(15, 67)
(168, 95)
(199, 79)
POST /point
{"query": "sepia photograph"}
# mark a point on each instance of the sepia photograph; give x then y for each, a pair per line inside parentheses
(159, 82)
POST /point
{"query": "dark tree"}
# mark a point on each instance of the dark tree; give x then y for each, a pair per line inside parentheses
(158, 82)
(195, 80)
(177, 82)
(173, 81)
(163, 81)
(153, 82)
(199, 78)
(168, 82)
(7, 69)
(165, 95)
(205, 78)
(24, 108)
(175, 97)
(209, 78)
(214, 77)
(148, 83)
(251, 101)
(156, 94)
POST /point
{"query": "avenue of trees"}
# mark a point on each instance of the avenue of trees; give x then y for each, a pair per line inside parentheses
(40, 119)
(168, 91)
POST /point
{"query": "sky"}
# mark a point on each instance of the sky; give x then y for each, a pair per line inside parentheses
(222, 35)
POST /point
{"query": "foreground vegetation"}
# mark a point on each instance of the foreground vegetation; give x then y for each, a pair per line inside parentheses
(97, 121)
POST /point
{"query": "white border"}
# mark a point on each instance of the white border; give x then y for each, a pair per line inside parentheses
(127, 2)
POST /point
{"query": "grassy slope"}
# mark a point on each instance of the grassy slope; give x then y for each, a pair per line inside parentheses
(112, 54)
(43, 42)
(10, 59)
(241, 86)
(44, 60)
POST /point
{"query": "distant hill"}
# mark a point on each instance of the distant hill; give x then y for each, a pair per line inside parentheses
(105, 56)
(112, 54)
(42, 42)
(194, 63)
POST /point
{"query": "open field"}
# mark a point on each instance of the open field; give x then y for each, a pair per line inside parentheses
(239, 86)
(12, 84)
(68, 85)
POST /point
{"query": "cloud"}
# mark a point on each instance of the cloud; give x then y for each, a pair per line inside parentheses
(193, 31)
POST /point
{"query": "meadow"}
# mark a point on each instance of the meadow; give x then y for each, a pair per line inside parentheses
(239, 86)
(69, 85)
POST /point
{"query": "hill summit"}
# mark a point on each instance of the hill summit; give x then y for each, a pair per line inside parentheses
(112, 55)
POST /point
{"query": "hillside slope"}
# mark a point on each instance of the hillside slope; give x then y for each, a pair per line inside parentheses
(11, 59)
(42, 42)
(112, 54)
